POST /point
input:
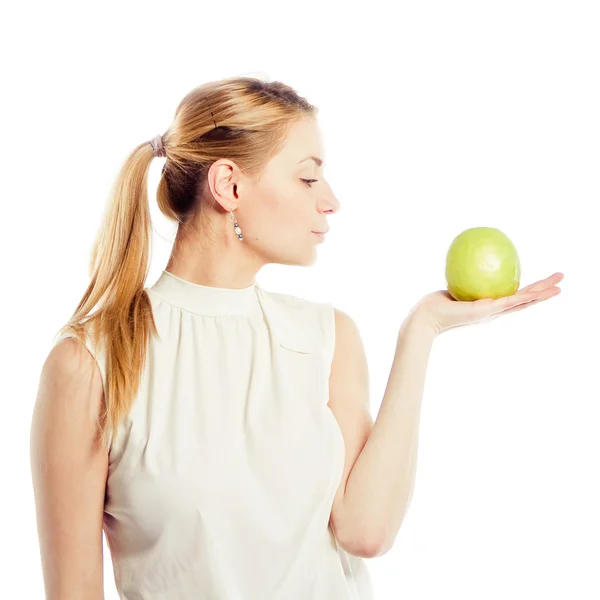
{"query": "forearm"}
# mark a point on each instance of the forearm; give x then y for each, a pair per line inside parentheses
(380, 484)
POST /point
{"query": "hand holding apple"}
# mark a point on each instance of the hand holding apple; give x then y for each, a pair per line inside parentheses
(441, 311)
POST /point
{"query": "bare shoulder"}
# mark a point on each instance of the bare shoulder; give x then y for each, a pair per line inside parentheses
(349, 379)
(347, 333)
(69, 470)
(349, 365)
(72, 371)
(69, 357)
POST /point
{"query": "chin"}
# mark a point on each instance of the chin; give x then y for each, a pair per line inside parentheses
(311, 259)
(307, 260)
(301, 255)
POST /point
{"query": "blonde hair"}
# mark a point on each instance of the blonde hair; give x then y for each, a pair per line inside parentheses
(253, 118)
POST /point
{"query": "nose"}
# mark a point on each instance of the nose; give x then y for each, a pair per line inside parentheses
(329, 201)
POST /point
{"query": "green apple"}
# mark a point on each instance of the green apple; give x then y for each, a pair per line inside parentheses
(482, 262)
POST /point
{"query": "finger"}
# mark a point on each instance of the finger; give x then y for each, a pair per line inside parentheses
(538, 286)
(486, 307)
(533, 298)
(523, 305)
(527, 304)
(506, 303)
(515, 308)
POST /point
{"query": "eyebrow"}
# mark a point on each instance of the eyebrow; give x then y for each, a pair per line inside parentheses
(315, 158)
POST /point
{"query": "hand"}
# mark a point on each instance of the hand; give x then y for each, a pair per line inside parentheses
(441, 311)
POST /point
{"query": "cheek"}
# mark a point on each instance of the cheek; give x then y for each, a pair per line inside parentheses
(267, 224)
(278, 215)
(287, 211)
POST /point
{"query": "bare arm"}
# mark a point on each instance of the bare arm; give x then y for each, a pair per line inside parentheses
(380, 470)
(69, 471)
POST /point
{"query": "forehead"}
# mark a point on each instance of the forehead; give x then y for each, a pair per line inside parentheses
(304, 139)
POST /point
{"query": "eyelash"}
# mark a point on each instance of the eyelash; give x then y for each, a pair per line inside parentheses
(309, 181)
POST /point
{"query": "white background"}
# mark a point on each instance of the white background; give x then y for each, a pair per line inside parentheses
(436, 117)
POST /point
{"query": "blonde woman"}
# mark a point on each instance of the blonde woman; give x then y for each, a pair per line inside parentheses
(219, 433)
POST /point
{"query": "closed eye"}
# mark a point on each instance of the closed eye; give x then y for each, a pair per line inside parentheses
(309, 181)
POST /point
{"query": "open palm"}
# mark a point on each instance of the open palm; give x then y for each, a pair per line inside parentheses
(443, 312)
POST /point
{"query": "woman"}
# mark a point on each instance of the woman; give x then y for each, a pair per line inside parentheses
(219, 433)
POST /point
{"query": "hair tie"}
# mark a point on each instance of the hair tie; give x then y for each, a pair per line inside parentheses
(157, 146)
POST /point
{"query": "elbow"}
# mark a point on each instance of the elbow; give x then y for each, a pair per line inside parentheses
(377, 547)
(364, 546)
(372, 541)
(373, 550)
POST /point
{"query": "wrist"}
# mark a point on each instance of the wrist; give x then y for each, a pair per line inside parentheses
(419, 319)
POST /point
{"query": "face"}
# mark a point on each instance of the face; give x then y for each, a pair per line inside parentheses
(279, 211)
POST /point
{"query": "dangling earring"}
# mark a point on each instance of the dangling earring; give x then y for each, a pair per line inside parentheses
(236, 227)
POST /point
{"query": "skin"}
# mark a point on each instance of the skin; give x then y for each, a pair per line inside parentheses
(69, 470)
(276, 212)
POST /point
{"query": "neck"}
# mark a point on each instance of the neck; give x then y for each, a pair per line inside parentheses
(213, 258)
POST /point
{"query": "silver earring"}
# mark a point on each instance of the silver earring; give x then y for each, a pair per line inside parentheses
(236, 227)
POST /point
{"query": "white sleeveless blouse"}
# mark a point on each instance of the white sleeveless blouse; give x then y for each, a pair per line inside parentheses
(222, 477)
